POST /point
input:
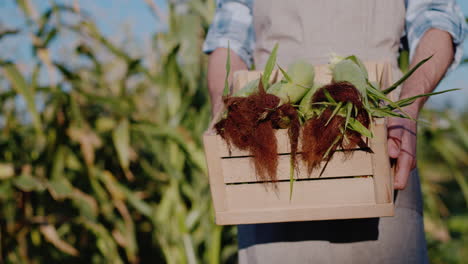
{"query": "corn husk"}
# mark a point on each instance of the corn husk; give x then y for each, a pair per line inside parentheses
(302, 73)
(349, 71)
(305, 107)
(248, 89)
(288, 92)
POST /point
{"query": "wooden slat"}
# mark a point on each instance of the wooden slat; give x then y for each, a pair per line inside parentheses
(215, 172)
(311, 193)
(282, 138)
(359, 163)
(317, 199)
(383, 179)
(345, 211)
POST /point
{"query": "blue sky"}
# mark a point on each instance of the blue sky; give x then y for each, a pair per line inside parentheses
(133, 16)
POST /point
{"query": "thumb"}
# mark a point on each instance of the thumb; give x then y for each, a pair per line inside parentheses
(395, 131)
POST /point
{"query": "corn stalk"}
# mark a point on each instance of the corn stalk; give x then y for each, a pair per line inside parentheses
(106, 166)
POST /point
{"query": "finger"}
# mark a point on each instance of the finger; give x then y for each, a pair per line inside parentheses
(395, 133)
(404, 165)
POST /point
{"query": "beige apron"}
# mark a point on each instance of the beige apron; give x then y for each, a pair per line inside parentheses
(311, 30)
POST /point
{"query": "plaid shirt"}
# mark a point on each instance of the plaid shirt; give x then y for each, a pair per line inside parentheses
(233, 23)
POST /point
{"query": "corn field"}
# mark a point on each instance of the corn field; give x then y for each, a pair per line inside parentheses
(101, 160)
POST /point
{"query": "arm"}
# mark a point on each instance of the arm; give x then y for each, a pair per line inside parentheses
(402, 132)
(217, 73)
(433, 27)
(232, 25)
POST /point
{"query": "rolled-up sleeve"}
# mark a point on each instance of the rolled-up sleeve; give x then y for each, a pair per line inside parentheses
(232, 24)
(446, 15)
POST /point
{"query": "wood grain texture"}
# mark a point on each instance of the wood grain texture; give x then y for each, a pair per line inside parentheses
(215, 173)
(316, 199)
(344, 211)
(311, 193)
(236, 170)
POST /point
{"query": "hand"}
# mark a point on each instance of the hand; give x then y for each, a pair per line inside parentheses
(402, 146)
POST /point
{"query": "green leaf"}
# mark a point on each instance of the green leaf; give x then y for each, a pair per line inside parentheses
(291, 178)
(349, 110)
(385, 112)
(121, 139)
(28, 183)
(21, 86)
(285, 75)
(215, 245)
(60, 188)
(337, 139)
(6, 32)
(380, 95)
(337, 108)
(408, 101)
(328, 96)
(358, 63)
(460, 131)
(25, 6)
(355, 125)
(140, 205)
(59, 163)
(228, 70)
(406, 76)
(403, 60)
(270, 64)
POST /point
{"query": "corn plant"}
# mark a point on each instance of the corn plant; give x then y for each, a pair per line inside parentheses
(104, 163)
(443, 163)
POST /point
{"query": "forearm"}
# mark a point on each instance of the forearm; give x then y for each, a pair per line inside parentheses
(217, 75)
(439, 44)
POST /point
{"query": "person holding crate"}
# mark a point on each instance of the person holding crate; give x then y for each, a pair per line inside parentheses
(373, 31)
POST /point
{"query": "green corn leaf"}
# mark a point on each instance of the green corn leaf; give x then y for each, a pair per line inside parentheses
(215, 245)
(337, 108)
(143, 207)
(59, 163)
(384, 112)
(28, 183)
(60, 188)
(228, 70)
(358, 63)
(285, 75)
(269, 66)
(461, 131)
(248, 89)
(27, 91)
(355, 125)
(328, 96)
(324, 103)
(25, 6)
(6, 32)
(408, 101)
(462, 182)
(121, 139)
(403, 60)
(291, 178)
(349, 110)
(380, 95)
(406, 76)
(331, 146)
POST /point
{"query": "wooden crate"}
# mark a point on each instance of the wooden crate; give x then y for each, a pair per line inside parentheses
(359, 186)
